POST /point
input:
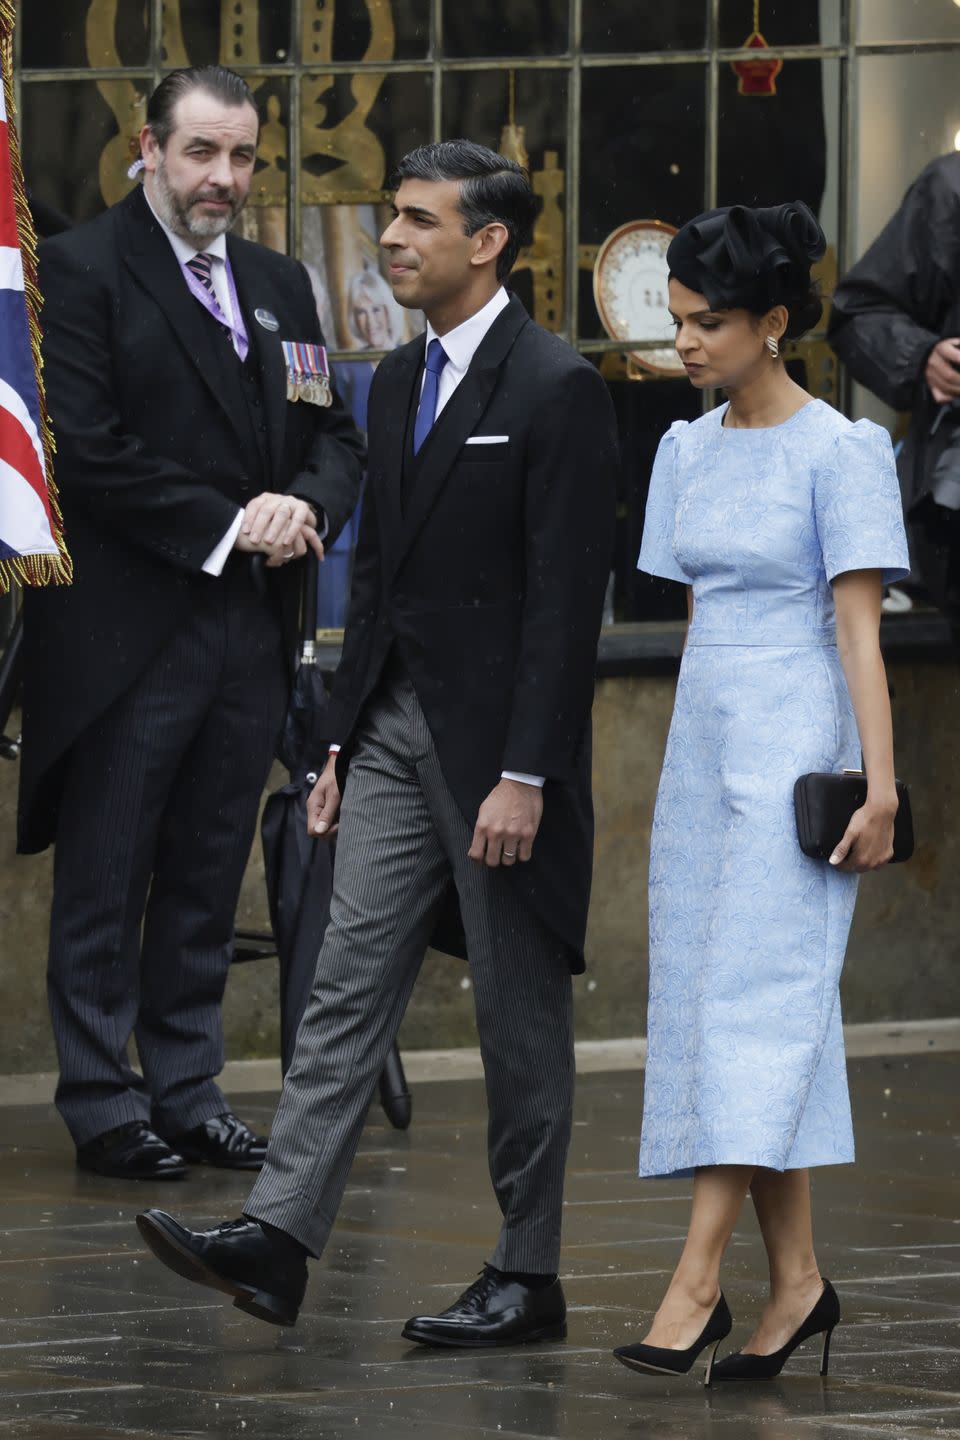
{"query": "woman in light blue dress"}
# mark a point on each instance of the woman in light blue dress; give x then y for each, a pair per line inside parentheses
(784, 520)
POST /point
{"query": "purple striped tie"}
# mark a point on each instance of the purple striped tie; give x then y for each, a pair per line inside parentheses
(202, 266)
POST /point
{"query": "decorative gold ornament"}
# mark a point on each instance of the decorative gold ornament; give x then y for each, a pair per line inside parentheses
(240, 32)
(360, 170)
(513, 137)
(127, 103)
(544, 257)
(773, 345)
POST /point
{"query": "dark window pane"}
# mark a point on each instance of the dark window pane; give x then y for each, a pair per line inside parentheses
(785, 147)
(649, 166)
(354, 129)
(615, 26)
(233, 32)
(265, 215)
(58, 33)
(781, 22)
(506, 27)
(364, 30)
(478, 104)
(79, 136)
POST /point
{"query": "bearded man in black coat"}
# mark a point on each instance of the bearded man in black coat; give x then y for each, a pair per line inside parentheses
(155, 685)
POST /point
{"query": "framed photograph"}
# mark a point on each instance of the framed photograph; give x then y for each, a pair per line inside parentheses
(341, 250)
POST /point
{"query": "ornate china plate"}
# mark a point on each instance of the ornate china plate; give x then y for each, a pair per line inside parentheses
(630, 290)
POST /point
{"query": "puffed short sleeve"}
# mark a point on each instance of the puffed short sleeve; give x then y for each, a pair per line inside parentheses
(858, 508)
(656, 548)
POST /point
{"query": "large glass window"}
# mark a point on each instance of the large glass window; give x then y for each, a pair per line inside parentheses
(624, 111)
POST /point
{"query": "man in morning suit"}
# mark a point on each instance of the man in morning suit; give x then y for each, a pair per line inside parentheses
(462, 707)
(156, 685)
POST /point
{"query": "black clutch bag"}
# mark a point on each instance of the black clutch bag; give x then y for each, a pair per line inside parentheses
(824, 806)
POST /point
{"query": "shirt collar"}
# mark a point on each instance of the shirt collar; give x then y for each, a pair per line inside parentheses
(185, 249)
(462, 343)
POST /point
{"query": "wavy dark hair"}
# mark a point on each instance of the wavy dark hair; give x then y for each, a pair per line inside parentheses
(493, 190)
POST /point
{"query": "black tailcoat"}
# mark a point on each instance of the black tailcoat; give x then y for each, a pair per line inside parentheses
(888, 313)
(486, 565)
(158, 443)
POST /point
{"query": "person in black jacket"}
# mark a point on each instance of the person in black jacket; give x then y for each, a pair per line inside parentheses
(896, 324)
(155, 686)
(462, 710)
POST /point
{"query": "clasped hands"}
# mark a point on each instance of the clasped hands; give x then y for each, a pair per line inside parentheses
(280, 527)
(506, 826)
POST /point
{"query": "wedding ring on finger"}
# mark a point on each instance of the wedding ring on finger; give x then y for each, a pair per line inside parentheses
(510, 854)
(288, 554)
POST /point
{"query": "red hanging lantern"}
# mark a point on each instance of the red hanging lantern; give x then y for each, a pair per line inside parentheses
(756, 77)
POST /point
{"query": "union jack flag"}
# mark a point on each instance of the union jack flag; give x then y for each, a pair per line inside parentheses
(32, 549)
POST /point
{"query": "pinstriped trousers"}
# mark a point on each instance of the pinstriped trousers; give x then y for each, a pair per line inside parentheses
(157, 816)
(401, 837)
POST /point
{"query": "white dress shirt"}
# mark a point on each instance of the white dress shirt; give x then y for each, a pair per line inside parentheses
(184, 251)
(460, 345)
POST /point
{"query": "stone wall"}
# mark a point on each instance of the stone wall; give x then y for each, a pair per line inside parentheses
(903, 957)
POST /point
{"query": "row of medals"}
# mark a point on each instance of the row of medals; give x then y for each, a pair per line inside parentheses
(313, 389)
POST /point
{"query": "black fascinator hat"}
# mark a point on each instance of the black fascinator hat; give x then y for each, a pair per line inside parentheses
(741, 258)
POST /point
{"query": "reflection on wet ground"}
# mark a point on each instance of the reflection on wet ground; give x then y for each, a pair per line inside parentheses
(97, 1340)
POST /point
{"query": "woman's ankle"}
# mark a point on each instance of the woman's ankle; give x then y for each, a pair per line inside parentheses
(786, 1284)
(697, 1289)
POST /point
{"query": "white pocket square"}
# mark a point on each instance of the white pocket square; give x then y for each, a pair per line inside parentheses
(488, 440)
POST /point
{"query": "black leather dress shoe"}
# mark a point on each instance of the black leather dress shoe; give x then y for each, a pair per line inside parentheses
(266, 1277)
(494, 1311)
(131, 1152)
(223, 1140)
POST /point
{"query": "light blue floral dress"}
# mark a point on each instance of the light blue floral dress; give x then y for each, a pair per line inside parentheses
(747, 936)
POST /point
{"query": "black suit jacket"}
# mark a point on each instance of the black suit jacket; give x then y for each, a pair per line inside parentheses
(152, 462)
(491, 582)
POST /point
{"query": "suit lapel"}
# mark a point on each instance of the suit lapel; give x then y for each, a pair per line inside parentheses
(458, 419)
(150, 258)
(267, 348)
(396, 379)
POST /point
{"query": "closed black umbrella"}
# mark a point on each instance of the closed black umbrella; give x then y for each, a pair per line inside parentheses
(299, 867)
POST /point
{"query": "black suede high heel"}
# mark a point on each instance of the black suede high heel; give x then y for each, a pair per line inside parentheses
(822, 1320)
(657, 1360)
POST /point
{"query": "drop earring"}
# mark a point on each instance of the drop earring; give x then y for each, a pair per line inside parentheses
(773, 346)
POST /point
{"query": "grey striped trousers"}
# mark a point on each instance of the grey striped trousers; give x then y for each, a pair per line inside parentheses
(401, 836)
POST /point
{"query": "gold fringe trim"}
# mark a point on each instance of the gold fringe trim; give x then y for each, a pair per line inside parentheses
(30, 569)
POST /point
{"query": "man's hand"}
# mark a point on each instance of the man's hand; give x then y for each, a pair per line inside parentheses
(323, 802)
(507, 824)
(281, 527)
(942, 375)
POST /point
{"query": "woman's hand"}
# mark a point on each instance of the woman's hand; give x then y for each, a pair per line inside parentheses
(868, 842)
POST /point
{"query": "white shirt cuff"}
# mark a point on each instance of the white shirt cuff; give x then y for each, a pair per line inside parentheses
(215, 561)
(334, 749)
(524, 779)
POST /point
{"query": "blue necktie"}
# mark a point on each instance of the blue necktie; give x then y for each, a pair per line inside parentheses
(427, 412)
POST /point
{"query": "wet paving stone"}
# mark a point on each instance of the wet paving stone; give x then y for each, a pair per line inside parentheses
(99, 1341)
